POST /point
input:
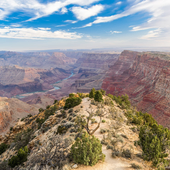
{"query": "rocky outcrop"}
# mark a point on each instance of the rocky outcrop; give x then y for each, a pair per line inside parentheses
(92, 68)
(145, 77)
(11, 110)
(96, 60)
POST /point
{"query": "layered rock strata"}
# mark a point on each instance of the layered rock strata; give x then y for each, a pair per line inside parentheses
(145, 77)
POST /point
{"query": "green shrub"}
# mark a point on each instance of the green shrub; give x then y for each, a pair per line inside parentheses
(154, 141)
(98, 96)
(103, 121)
(72, 102)
(40, 122)
(110, 95)
(134, 166)
(70, 111)
(127, 154)
(19, 158)
(3, 148)
(55, 101)
(103, 92)
(47, 107)
(41, 110)
(62, 129)
(22, 139)
(92, 93)
(71, 95)
(87, 150)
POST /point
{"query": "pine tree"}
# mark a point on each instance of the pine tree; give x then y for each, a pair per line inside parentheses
(87, 150)
(92, 93)
(98, 96)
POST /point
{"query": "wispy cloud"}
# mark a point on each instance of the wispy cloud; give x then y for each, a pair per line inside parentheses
(71, 21)
(35, 9)
(84, 13)
(115, 32)
(119, 3)
(152, 34)
(36, 33)
(158, 11)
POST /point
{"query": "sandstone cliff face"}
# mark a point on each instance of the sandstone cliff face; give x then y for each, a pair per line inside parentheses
(11, 110)
(145, 77)
(97, 60)
(92, 68)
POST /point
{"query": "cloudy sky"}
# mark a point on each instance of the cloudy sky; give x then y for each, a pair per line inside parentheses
(83, 24)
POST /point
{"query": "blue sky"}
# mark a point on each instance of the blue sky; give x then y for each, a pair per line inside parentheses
(83, 24)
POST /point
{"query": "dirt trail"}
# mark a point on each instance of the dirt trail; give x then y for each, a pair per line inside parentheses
(110, 163)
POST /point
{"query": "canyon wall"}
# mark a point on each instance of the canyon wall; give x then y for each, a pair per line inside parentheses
(92, 68)
(16, 80)
(145, 77)
(11, 110)
(36, 59)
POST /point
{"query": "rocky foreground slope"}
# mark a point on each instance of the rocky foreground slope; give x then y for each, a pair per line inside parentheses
(145, 77)
(50, 134)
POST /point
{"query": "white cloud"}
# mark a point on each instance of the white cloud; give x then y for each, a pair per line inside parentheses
(64, 10)
(152, 34)
(139, 28)
(115, 32)
(38, 33)
(119, 3)
(35, 9)
(83, 13)
(159, 13)
(15, 25)
(71, 21)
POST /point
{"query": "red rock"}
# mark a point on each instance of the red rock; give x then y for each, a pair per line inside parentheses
(145, 77)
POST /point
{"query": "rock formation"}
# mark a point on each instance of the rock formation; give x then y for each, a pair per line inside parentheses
(36, 59)
(145, 77)
(16, 80)
(11, 110)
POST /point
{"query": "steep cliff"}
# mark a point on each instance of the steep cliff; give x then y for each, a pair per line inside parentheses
(145, 77)
(92, 68)
(97, 60)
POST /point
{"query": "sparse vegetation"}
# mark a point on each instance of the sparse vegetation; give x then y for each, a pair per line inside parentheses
(19, 158)
(103, 121)
(135, 166)
(71, 95)
(98, 96)
(92, 93)
(87, 150)
(22, 139)
(72, 102)
(82, 122)
(3, 148)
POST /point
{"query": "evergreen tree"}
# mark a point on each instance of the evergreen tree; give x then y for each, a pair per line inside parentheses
(98, 96)
(92, 93)
(87, 150)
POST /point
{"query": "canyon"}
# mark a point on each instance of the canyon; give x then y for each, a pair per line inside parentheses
(145, 78)
(45, 60)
